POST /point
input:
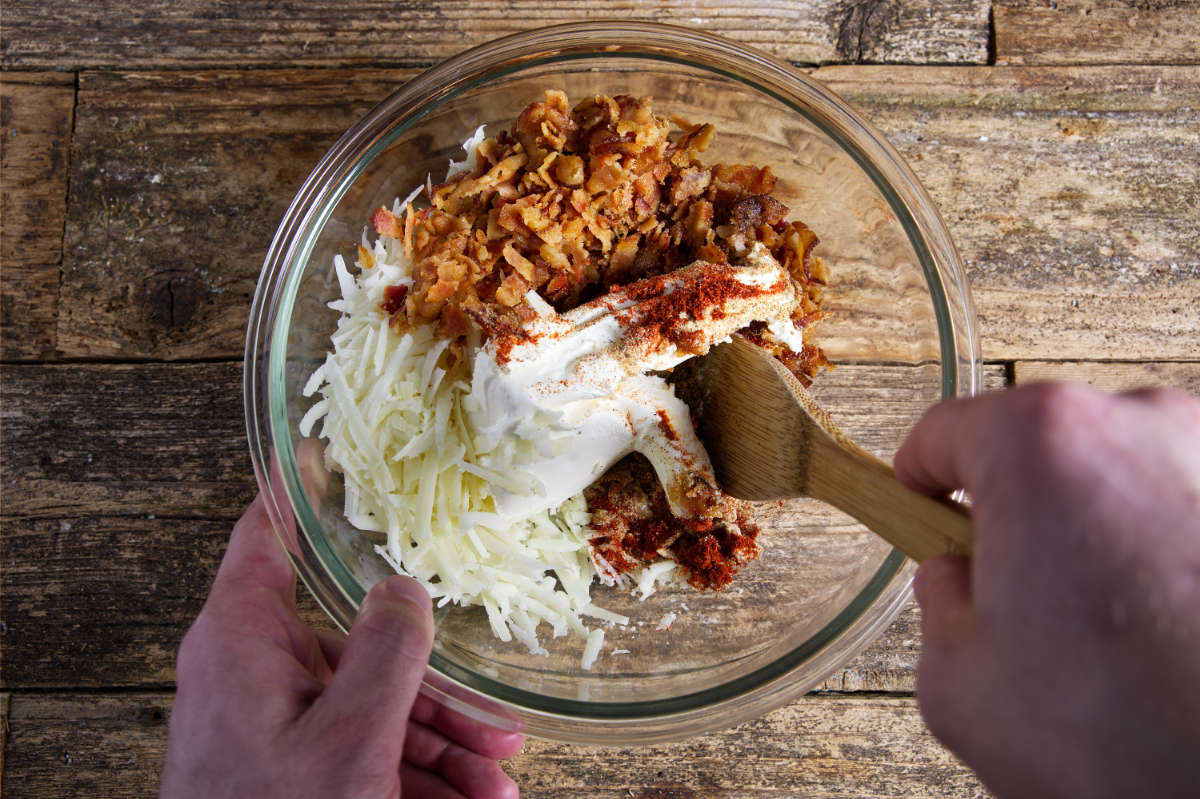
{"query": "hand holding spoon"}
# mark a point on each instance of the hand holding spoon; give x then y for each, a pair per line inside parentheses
(768, 440)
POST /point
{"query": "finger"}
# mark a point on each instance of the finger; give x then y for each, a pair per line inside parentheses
(254, 559)
(943, 589)
(1176, 405)
(254, 555)
(936, 456)
(415, 781)
(381, 667)
(310, 460)
(950, 681)
(466, 731)
(471, 773)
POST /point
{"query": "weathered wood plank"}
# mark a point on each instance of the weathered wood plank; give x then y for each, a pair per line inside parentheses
(5, 701)
(36, 115)
(131, 440)
(820, 746)
(178, 182)
(101, 602)
(106, 562)
(1097, 32)
(125, 441)
(1072, 193)
(97, 602)
(1113, 376)
(86, 744)
(156, 34)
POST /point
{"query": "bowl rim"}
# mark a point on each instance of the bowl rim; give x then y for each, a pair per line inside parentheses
(653, 720)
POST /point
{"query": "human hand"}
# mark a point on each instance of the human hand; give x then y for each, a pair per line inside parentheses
(1063, 659)
(266, 707)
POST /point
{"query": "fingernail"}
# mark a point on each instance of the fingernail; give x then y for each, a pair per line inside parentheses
(407, 588)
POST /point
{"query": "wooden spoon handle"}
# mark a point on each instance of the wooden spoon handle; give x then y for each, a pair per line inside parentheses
(918, 525)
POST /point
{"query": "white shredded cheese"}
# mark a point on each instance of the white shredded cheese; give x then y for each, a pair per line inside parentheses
(395, 409)
(391, 408)
(592, 650)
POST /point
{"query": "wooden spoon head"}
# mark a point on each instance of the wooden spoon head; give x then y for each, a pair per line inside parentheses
(768, 440)
(760, 425)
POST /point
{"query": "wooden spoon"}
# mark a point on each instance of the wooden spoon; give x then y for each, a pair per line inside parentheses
(769, 440)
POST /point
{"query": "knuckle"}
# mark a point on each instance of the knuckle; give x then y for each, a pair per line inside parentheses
(1053, 419)
(1053, 406)
(1170, 400)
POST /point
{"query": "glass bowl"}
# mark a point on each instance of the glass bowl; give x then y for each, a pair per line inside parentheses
(902, 333)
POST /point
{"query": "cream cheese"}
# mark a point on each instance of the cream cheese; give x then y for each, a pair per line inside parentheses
(574, 397)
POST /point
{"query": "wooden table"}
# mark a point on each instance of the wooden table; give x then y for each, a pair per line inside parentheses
(150, 148)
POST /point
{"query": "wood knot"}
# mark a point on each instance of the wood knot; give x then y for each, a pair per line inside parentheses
(861, 27)
(173, 298)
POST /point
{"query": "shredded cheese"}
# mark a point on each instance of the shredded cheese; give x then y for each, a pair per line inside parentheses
(391, 408)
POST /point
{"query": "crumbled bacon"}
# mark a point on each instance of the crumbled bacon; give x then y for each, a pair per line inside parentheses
(573, 200)
(386, 223)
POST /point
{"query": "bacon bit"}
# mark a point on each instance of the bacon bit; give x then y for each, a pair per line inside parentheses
(554, 257)
(624, 254)
(749, 213)
(440, 292)
(393, 299)
(699, 223)
(569, 170)
(385, 223)
(365, 258)
(453, 323)
(511, 290)
(523, 265)
(557, 288)
(408, 230)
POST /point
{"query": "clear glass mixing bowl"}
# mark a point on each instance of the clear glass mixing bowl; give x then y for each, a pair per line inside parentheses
(903, 334)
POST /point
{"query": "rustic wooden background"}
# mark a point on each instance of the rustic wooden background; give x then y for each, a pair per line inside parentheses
(150, 148)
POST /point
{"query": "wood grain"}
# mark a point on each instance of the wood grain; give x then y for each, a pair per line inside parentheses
(156, 34)
(36, 116)
(121, 440)
(102, 602)
(1113, 376)
(121, 484)
(5, 701)
(1073, 195)
(820, 746)
(178, 182)
(1097, 32)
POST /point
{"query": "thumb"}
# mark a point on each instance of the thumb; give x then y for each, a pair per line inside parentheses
(379, 672)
